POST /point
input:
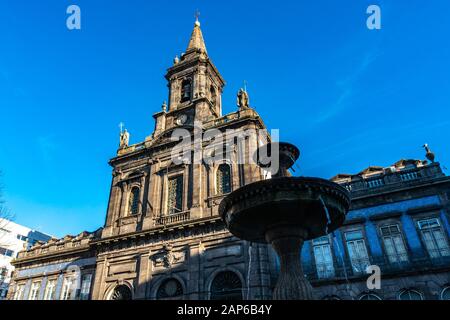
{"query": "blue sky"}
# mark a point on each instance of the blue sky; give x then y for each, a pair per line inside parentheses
(347, 96)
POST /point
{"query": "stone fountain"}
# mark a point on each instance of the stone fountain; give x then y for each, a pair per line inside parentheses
(284, 211)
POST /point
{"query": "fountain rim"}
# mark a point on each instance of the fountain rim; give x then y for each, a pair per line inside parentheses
(247, 191)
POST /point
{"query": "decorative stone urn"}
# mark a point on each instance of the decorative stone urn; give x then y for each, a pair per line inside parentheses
(285, 211)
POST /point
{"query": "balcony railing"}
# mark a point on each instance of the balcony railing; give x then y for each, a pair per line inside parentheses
(172, 218)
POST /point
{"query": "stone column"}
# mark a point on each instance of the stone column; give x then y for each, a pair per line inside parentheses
(124, 200)
(197, 192)
(97, 289)
(113, 206)
(152, 181)
(42, 288)
(194, 281)
(142, 280)
(59, 284)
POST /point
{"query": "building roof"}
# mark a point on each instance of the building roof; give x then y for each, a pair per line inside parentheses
(375, 170)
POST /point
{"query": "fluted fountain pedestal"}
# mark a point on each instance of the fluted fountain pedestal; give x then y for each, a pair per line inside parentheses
(285, 211)
(288, 242)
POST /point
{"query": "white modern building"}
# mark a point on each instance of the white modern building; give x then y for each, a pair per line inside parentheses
(14, 238)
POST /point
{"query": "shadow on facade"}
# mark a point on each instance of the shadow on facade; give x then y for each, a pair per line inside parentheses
(228, 269)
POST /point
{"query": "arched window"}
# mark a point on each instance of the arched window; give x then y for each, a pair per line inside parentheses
(186, 89)
(410, 295)
(226, 286)
(134, 201)
(369, 296)
(223, 179)
(121, 292)
(445, 295)
(169, 289)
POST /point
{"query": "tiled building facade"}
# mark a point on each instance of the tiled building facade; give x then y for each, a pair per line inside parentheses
(399, 221)
(163, 238)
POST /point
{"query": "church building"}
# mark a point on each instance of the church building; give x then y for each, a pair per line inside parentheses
(163, 237)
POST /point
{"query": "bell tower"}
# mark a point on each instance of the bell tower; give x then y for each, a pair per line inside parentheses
(195, 85)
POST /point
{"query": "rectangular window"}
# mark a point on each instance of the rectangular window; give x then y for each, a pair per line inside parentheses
(50, 290)
(22, 238)
(85, 287)
(357, 251)
(34, 291)
(67, 288)
(6, 252)
(394, 244)
(175, 195)
(18, 294)
(434, 238)
(323, 258)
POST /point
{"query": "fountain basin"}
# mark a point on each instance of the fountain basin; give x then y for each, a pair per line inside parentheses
(251, 211)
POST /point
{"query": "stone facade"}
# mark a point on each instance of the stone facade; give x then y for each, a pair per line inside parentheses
(148, 249)
(163, 238)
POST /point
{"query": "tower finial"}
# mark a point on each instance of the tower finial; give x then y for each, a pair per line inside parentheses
(196, 43)
(197, 14)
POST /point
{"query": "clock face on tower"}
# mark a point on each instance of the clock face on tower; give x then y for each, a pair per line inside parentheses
(181, 119)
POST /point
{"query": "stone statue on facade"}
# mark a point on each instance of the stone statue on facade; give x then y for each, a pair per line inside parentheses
(429, 154)
(124, 139)
(242, 99)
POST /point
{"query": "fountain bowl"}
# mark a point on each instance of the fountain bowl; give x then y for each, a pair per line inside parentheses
(315, 205)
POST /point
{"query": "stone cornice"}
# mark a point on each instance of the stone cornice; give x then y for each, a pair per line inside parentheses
(149, 147)
(30, 257)
(398, 189)
(158, 230)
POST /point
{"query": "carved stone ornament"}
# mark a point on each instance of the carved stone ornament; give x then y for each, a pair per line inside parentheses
(167, 257)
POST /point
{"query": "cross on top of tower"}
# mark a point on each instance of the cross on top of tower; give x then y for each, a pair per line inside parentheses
(197, 15)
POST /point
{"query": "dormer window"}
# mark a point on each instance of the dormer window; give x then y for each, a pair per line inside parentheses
(186, 90)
